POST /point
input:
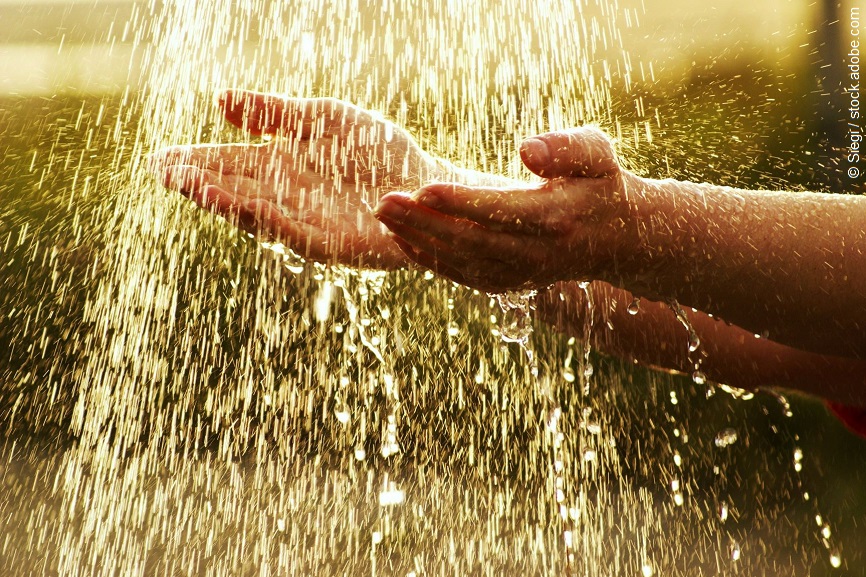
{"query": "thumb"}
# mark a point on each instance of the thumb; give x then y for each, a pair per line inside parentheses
(584, 151)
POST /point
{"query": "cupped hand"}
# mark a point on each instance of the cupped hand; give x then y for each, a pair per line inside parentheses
(311, 186)
(578, 224)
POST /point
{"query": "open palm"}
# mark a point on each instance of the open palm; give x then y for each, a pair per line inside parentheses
(313, 184)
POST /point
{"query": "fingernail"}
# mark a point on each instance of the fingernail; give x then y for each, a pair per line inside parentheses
(427, 198)
(219, 97)
(536, 151)
(184, 179)
(389, 209)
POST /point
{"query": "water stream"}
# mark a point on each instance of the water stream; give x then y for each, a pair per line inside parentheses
(179, 399)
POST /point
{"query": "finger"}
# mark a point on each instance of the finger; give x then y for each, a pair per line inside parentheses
(222, 158)
(159, 161)
(490, 276)
(190, 180)
(270, 114)
(305, 239)
(584, 151)
(185, 179)
(264, 219)
(257, 217)
(430, 262)
(217, 200)
(515, 210)
(422, 227)
(309, 237)
(198, 185)
(459, 240)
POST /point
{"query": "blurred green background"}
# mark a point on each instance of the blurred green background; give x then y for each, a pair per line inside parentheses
(746, 94)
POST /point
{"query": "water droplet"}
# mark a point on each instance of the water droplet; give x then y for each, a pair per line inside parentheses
(699, 378)
(342, 415)
(322, 304)
(835, 560)
(634, 307)
(589, 455)
(377, 537)
(647, 570)
(568, 375)
(694, 341)
(391, 497)
(741, 394)
(588, 370)
(360, 453)
(786, 406)
(281, 525)
(734, 551)
(726, 437)
(516, 325)
(723, 511)
(593, 428)
(553, 418)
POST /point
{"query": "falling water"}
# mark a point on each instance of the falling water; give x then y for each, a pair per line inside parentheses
(182, 400)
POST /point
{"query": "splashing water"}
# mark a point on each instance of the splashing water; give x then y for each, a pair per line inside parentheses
(214, 405)
(726, 437)
(516, 327)
(516, 323)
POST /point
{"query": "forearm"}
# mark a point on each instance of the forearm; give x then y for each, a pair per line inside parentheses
(788, 265)
(730, 355)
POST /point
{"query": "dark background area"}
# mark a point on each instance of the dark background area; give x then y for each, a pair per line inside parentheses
(734, 118)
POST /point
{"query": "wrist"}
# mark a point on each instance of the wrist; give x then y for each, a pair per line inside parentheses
(664, 217)
(624, 250)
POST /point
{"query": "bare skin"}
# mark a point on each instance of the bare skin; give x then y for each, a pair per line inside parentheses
(729, 354)
(790, 265)
(313, 184)
(722, 251)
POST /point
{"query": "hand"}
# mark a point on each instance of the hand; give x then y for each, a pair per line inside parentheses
(313, 185)
(578, 225)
